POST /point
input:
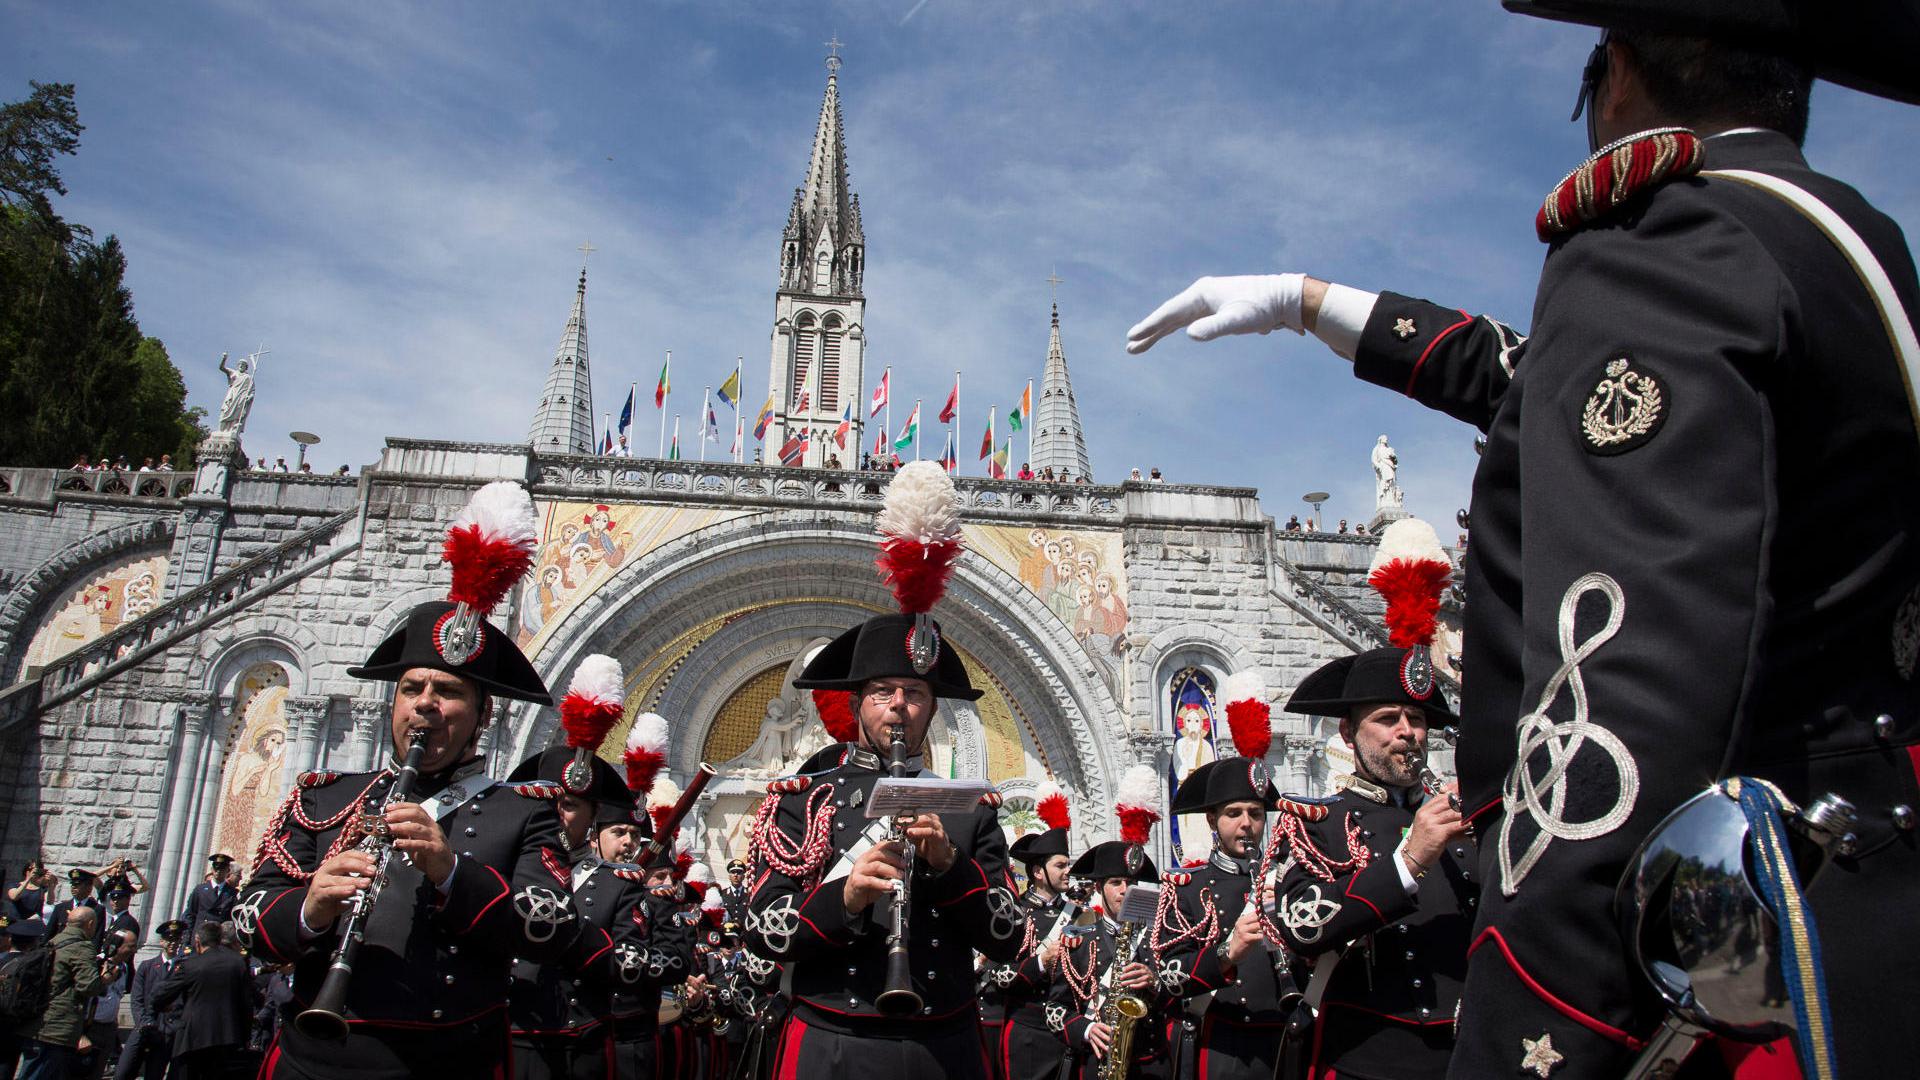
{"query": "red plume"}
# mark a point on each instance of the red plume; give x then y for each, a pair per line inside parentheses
(916, 572)
(1051, 805)
(1249, 717)
(920, 526)
(682, 863)
(1135, 800)
(646, 751)
(593, 704)
(1411, 571)
(490, 545)
(660, 814)
(836, 714)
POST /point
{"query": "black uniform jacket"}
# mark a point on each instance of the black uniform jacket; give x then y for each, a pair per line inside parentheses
(428, 960)
(735, 899)
(57, 921)
(215, 990)
(837, 961)
(148, 974)
(1695, 553)
(549, 999)
(1399, 957)
(1016, 992)
(1079, 991)
(209, 902)
(1196, 916)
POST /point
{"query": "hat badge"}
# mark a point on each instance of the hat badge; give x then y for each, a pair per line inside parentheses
(1416, 674)
(923, 644)
(456, 635)
(577, 776)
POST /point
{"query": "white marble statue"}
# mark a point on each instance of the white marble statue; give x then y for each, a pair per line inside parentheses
(239, 400)
(1386, 470)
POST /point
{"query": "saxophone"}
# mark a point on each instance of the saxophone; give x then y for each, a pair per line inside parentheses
(1123, 1010)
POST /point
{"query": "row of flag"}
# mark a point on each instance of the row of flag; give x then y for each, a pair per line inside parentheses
(792, 451)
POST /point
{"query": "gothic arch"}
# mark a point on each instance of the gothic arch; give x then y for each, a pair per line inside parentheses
(826, 559)
(28, 602)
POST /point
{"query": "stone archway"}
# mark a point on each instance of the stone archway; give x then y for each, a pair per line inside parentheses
(660, 613)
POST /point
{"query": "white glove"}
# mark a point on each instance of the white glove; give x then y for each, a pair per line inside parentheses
(1247, 304)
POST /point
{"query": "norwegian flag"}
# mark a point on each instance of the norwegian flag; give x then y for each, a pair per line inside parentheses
(794, 448)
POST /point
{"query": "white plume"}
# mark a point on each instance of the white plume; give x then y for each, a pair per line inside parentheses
(1139, 786)
(1410, 539)
(701, 873)
(1044, 790)
(504, 511)
(598, 679)
(649, 732)
(712, 901)
(921, 504)
(665, 793)
(1243, 686)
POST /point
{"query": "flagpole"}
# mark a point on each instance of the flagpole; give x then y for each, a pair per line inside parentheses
(1027, 422)
(706, 407)
(919, 422)
(633, 398)
(739, 433)
(666, 381)
(993, 437)
(676, 433)
(954, 424)
(604, 447)
(889, 377)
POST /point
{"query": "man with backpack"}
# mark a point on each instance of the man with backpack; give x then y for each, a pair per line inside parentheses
(49, 1040)
(24, 968)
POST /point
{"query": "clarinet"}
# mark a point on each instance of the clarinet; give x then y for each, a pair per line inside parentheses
(324, 1020)
(899, 998)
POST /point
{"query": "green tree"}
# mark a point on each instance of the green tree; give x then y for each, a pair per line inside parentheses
(77, 377)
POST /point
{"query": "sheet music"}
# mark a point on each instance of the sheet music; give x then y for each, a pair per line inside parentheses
(905, 796)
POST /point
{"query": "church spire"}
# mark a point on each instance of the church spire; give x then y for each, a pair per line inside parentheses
(1057, 441)
(563, 424)
(823, 250)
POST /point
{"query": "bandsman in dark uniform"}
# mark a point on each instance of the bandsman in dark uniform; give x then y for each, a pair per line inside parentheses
(1236, 988)
(1381, 888)
(1656, 596)
(824, 874)
(1013, 995)
(212, 900)
(476, 877)
(1084, 981)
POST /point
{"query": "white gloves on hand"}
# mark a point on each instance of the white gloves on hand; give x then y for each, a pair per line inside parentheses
(1213, 306)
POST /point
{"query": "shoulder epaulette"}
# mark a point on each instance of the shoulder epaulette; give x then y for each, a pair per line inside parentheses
(537, 789)
(992, 799)
(1615, 174)
(1176, 878)
(626, 872)
(787, 785)
(1306, 807)
(318, 778)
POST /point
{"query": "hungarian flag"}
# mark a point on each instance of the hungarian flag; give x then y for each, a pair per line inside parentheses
(626, 412)
(880, 394)
(997, 468)
(1017, 419)
(953, 402)
(660, 391)
(730, 390)
(794, 449)
(948, 459)
(986, 439)
(766, 417)
(846, 425)
(911, 431)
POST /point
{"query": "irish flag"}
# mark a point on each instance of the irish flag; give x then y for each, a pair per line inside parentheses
(1017, 419)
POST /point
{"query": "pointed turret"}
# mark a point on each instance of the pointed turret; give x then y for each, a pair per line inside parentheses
(1057, 441)
(563, 424)
(822, 248)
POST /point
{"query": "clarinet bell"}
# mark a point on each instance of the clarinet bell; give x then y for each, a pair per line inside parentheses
(899, 998)
(318, 1023)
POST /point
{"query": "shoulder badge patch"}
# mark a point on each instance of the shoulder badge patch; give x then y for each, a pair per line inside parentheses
(1626, 409)
(319, 778)
(1305, 809)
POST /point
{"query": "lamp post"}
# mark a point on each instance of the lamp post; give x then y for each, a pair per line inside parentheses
(305, 439)
(1315, 499)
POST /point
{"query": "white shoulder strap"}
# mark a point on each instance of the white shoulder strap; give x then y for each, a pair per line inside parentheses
(1893, 315)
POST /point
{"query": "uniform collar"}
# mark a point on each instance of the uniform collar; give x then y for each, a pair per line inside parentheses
(1366, 789)
(1108, 924)
(864, 758)
(1753, 148)
(438, 782)
(1220, 860)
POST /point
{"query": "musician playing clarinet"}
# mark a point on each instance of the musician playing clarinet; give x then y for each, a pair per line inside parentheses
(823, 876)
(475, 874)
(1381, 886)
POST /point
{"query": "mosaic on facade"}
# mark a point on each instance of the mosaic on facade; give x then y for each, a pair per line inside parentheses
(1191, 712)
(1080, 575)
(251, 781)
(108, 599)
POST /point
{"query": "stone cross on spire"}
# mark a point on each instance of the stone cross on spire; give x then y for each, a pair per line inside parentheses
(833, 55)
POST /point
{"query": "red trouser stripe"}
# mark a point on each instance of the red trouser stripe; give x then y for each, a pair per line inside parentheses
(789, 1067)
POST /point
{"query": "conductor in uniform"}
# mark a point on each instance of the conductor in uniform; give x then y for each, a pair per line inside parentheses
(477, 876)
(1710, 379)
(1380, 889)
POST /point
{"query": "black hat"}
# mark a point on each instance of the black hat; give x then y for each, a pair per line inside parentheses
(1388, 676)
(1865, 44)
(497, 667)
(1039, 847)
(607, 791)
(882, 648)
(1234, 779)
(27, 929)
(78, 876)
(119, 892)
(220, 860)
(1113, 859)
(172, 929)
(736, 866)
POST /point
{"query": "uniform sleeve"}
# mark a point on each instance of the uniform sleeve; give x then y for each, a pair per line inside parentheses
(530, 914)
(1185, 971)
(1064, 1004)
(1444, 358)
(1317, 915)
(793, 918)
(973, 890)
(267, 918)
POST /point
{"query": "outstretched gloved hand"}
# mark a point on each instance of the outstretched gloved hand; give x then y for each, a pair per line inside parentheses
(1214, 306)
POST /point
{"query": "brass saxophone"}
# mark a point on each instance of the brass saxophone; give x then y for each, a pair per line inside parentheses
(1123, 1010)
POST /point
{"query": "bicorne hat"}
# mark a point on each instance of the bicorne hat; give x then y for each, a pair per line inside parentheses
(1115, 859)
(1388, 676)
(607, 790)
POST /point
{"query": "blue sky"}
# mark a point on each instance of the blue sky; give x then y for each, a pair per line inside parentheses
(390, 197)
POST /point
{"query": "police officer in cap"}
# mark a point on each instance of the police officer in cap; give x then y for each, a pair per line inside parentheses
(150, 1047)
(1013, 995)
(563, 1017)
(734, 893)
(212, 900)
(1085, 983)
(1713, 374)
(81, 883)
(1380, 895)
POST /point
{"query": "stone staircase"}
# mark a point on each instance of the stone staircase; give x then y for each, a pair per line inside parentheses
(193, 611)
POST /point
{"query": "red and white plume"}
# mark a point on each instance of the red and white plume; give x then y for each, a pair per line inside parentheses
(490, 545)
(700, 878)
(836, 714)
(1137, 803)
(646, 751)
(1249, 717)
(920, 535)
(714, 908)
(1051, 804)
(593, 703)
(660, 802)
(1412, 571)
